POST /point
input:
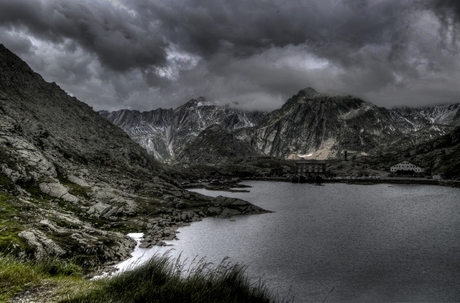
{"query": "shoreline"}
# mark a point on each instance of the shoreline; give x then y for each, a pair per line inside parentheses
(166, 227)
(368, 181)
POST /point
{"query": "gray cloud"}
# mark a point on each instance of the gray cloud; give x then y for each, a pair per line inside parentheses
(445, 8)
(256, 53)
(119, 40)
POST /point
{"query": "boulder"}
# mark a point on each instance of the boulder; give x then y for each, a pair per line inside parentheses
(58, 190)
(43, 247)
(78, 181)
(99, 209)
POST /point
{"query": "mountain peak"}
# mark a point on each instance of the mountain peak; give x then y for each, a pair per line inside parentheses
(198, 102)
(13, 70)
(309, 92)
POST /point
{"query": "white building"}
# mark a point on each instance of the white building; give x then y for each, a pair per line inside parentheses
(406, 168)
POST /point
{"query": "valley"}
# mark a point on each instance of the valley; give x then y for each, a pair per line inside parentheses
(74, 182)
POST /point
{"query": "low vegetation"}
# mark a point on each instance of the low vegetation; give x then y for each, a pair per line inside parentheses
(165, 280)
(10, 225)
(162, 279)
(45, 281)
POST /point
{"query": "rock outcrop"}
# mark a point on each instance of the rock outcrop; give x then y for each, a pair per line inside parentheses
(164, 228)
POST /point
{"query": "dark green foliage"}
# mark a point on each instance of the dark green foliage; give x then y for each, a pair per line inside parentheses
(164, 280)
(58, 267)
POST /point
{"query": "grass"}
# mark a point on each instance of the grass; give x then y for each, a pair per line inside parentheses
(165, 280)
(10, 225)
(61, 277)
(161, 279)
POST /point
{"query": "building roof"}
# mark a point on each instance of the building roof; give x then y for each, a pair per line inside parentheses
(304, 161)
(401, 161)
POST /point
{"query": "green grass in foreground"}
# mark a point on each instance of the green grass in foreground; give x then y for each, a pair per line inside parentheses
(17, 276)
(164, 280)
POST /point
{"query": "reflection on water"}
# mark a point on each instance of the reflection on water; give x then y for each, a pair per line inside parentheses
(349, 243)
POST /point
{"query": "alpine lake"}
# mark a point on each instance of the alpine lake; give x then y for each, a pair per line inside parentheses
(336, 242)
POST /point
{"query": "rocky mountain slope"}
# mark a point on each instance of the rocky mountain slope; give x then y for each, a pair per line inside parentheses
(72, 184)
(309, 124)
(322, 126)
(161, 132)
(413, 119)
(214, 146)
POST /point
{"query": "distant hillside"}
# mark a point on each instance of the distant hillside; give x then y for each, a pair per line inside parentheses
(440, 155)
(214, 146)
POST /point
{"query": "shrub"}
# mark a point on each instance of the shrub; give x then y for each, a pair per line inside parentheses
(165, 280)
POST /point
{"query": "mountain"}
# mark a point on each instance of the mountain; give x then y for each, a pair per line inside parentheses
(414, 119)
(425, 123)
(214, 146)
(322, 126)
(309, 124)
(72, 184)
(161, 132)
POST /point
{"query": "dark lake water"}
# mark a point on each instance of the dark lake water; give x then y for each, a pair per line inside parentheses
(339, 242)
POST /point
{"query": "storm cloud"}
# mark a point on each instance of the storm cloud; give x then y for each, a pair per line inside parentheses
(253, 54)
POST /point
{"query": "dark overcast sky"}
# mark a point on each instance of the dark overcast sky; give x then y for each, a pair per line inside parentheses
(145, 54)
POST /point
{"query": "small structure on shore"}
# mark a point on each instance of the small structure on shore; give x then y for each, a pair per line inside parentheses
(310, 170)
(406, 168)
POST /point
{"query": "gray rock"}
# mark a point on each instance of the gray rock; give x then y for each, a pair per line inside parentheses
(78, 181)
(227, 212)
(58, 190)
(99, 209)
(212, 211)
(43, 247)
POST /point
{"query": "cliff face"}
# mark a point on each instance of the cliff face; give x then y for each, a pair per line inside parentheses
(321, 126)
(162, 132)
(56, 154)
(151, 130)
(72, 181)
(413, 119)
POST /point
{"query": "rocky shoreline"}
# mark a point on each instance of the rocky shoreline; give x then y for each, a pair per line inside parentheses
(157, 230)
(160, 229)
